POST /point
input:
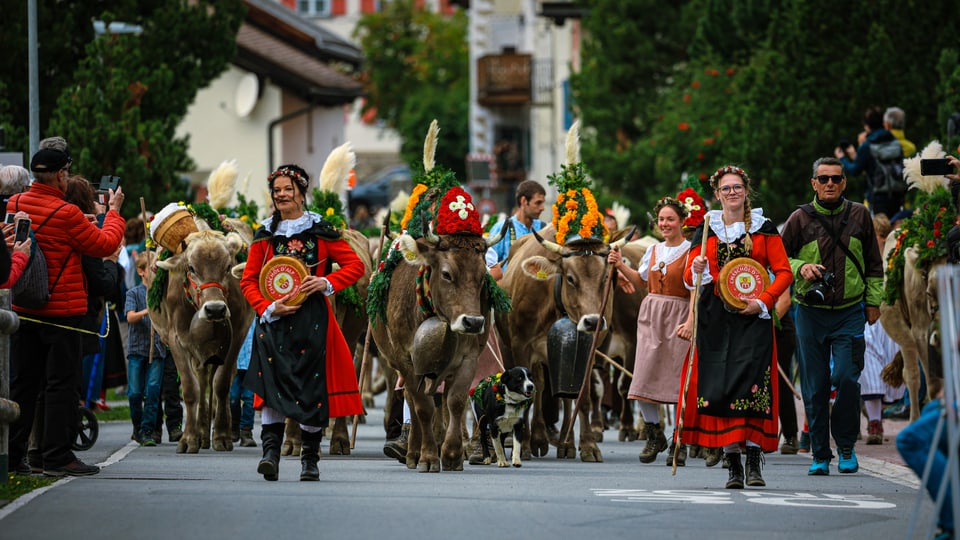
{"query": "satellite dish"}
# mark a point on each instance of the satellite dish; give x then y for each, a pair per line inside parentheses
(246, 94)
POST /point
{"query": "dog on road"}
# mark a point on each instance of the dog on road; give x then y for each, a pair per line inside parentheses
(500, 401)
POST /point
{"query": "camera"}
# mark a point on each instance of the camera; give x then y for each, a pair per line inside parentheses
(817, 293)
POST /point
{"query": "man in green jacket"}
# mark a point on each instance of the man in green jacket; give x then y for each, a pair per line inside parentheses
(838, 272)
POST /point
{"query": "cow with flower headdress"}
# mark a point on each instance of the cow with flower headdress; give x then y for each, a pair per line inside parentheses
(559, 274)
(431, 304)
(912, 253)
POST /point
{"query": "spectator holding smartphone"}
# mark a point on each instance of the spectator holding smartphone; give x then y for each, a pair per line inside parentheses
(46, 354)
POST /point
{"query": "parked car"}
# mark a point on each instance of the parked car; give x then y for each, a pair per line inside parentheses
(378, 189)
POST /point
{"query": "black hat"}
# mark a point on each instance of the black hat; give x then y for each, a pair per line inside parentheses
(49, 160)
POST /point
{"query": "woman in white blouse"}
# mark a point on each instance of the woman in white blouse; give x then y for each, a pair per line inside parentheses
(664, 325)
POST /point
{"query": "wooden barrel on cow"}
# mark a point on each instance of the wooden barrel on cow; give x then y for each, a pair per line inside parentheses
(281, 276)
(171, 227)
(742, 280)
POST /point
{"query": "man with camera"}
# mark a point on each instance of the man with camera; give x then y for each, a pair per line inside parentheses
(838, 272)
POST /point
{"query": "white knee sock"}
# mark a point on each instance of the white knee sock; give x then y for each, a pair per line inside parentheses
(874, 408)
(650, 412)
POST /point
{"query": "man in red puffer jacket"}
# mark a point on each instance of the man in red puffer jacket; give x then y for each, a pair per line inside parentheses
(46, 355)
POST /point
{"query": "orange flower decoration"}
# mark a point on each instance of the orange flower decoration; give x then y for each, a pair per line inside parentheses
(418, 190)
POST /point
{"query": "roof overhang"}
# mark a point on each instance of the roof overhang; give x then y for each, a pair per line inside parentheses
(292, 69)
(302, 33)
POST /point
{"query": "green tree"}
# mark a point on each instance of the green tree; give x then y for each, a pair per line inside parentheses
(773, 85)
(417, 70)
(631, 52)
(119, 103)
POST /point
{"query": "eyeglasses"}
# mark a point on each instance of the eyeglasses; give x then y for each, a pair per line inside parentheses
(824, 178)
(736, 188)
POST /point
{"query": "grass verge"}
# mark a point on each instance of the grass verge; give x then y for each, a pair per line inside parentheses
(115, 413)
(18, 485)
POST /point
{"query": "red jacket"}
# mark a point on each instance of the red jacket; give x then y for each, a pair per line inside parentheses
(18, 263)
(63, 239)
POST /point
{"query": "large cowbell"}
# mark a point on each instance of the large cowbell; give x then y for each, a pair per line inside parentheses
(567, 354)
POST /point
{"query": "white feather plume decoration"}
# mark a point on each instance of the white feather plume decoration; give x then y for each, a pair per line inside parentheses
(430, 146)
(621, 213)
(911, 169)
(380, 216)
(399, 203)
(573, 144)
(336, 170)
(221, 184)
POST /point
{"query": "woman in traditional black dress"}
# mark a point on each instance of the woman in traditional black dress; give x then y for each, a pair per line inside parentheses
(731, 398)
(301, 366)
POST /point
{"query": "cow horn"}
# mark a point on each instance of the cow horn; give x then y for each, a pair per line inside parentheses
(493, 240)
(623, 241)
(552, 246)
(427, 233)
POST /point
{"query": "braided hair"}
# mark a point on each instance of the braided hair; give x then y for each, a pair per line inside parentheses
(300, 179)
(747, 209)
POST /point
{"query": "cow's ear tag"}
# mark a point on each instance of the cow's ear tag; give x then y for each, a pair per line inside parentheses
(539, 268)
(408, 248)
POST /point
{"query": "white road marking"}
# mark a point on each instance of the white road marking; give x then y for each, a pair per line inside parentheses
(21, 501)
(772, 498)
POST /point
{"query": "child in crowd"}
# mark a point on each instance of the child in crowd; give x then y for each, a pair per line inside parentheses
(241, 397)
(144, 371)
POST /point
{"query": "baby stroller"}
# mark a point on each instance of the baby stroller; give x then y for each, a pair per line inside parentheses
(87, 430)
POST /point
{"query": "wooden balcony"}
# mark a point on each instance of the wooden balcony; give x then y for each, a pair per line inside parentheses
(504, 79)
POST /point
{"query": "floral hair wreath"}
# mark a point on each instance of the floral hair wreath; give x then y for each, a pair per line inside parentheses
(297, 177)
(728, 169)
(673, 203)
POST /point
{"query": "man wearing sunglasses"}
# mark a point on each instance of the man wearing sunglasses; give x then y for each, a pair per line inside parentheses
(838, 274)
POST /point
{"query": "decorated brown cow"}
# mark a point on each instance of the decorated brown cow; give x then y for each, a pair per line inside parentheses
(431, 304)
(553, 277)
(203, 317)
(912, 254)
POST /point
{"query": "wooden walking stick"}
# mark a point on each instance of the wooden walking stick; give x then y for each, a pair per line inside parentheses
(567, 426)
(366, 340)
(693, 343)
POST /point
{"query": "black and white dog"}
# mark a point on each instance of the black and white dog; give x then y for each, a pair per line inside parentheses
(500, 402)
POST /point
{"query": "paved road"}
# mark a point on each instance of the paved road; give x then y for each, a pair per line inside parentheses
(147, 493)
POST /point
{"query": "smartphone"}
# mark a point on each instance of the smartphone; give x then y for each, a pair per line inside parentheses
(10, 217)
(936, 167)
(23, 230)
(107, 182)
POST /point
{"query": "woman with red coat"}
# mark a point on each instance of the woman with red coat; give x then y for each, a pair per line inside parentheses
(301, 366)
(731, 399)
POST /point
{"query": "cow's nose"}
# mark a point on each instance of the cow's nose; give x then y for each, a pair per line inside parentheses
(590, 322)
(215, 310)
(473, 325)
